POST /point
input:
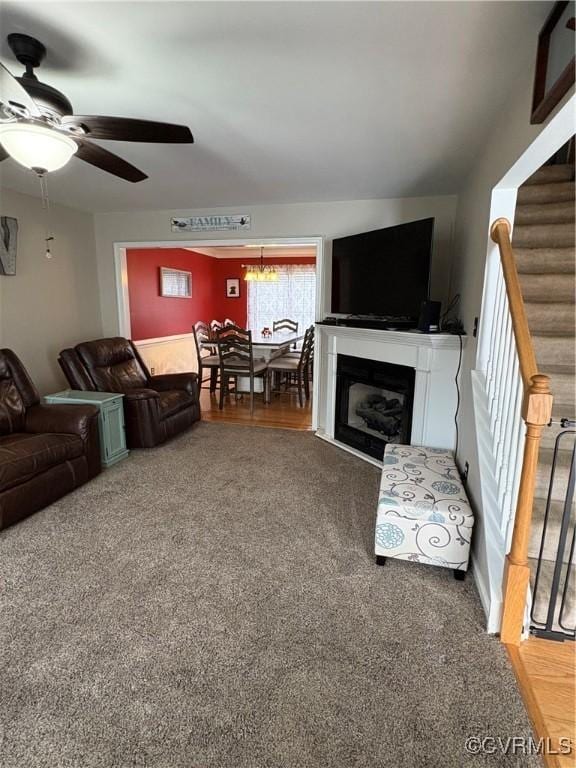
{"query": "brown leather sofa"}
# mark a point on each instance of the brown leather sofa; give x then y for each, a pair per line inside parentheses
(155, 407)
(45, 450)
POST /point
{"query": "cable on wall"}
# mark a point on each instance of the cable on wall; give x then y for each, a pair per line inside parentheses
(457, 393)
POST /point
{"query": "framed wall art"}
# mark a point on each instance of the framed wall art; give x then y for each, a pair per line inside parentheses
(8, 245)
(233, 288)
(175, 283)
(555, 60)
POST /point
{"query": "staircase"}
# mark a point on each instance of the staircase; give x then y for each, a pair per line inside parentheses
(544, 244)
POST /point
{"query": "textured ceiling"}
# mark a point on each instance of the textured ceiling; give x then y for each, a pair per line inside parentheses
(288, 102)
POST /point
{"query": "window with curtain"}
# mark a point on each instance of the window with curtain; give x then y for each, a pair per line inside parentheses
(293, 295)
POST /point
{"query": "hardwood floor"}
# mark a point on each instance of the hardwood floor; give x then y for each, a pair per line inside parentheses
(546, 674)
(283, 412)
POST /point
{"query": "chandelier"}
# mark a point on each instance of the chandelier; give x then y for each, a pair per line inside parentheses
(260, 272)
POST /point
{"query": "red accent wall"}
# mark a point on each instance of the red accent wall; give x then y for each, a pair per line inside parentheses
(237, 309)
(152, 315)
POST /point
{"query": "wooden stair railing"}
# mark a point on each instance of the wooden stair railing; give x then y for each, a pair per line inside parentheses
(536, 414)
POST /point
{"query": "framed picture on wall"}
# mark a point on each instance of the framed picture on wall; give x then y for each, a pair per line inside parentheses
(555, 60)
(175, 283)
(233, 288)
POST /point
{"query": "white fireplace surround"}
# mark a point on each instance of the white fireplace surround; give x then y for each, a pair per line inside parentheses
(434, 358)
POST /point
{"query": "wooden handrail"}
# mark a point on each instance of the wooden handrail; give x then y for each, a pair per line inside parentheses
(500, 233)
(536, 413)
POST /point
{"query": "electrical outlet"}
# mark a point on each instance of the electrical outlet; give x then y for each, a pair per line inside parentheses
(153, 371)
(465, 472)
(475, 331)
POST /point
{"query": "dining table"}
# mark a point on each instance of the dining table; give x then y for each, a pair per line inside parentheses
(264, 348)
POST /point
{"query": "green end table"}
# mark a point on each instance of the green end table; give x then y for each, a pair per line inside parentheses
(110, 419)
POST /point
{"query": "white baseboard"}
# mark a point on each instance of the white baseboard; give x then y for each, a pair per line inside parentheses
(492, 607)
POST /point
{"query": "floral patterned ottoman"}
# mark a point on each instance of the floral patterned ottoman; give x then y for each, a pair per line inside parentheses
(423, 512)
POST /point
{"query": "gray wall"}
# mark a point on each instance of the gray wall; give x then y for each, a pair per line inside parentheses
(49, 304)
(327, 220)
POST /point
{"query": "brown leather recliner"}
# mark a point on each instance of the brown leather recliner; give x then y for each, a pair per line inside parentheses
(45, 450)
(155, 407)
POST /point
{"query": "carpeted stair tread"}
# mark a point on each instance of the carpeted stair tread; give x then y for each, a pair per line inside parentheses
(545, 213)
(550, 174)
(550, 318)
(561, 372)
(544, 245)
(542, 260)
(541, 599)
(557, 192)
(553, 350)
(544, 236)
(540, 287)
(563, 409)
(561, 471)
(548, 440)
(553, 527)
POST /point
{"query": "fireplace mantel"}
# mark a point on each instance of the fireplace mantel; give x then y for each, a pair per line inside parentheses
(434, 357)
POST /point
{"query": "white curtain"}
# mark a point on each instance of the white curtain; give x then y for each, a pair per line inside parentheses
(293, 296)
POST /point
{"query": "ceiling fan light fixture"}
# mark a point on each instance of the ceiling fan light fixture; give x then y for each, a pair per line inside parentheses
(37, 147)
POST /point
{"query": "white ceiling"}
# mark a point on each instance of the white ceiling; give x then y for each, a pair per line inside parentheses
(292, 101)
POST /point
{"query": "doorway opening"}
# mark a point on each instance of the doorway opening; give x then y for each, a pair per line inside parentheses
(219, 284)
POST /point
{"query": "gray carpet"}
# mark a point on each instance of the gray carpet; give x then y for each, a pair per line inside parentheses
(214, 604)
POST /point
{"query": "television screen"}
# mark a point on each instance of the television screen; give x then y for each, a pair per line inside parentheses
(385, 272)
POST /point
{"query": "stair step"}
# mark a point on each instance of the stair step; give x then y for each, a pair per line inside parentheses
(556, 192)
(548, 439)
(563, 388)
(551, 318)
(553, 526)
(543, 236)
(540, 287)
(542, 260)
(541, 598)
(561, 471)
(545, 213)
(553, 350)
(550, 174)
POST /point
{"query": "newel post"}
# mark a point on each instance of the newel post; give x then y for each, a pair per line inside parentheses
(536, 412)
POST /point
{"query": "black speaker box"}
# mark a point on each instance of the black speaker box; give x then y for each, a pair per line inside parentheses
(429, 320)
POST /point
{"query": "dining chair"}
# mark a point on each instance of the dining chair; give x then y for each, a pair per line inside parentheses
(215, 326)
(298, 368)
(286, 325)
(236, 356)
(227, 322)
(205, 354)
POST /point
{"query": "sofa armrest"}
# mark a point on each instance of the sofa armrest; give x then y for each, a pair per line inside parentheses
(81, 420)
(139, 393)
(185, 381)
(62, 419)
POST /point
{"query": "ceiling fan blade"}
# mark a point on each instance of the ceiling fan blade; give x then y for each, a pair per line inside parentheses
(107, 161)
(11, 92)
(128, 129)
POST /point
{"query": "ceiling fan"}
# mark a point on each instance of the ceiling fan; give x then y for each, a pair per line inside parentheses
(39, 130)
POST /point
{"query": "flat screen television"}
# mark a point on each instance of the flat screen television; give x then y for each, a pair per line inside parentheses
(385, 272)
